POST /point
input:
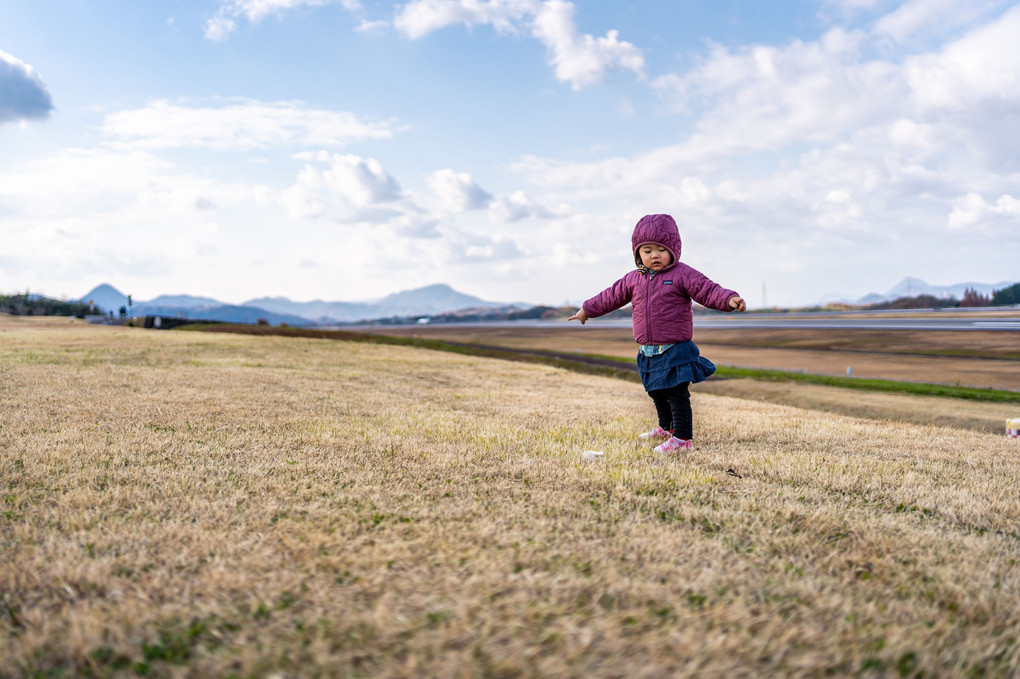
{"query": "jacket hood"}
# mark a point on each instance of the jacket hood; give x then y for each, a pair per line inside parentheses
(658, 229)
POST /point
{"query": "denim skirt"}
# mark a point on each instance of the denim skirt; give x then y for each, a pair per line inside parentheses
(681, 363)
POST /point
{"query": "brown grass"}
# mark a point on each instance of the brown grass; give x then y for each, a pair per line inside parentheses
(213, 505)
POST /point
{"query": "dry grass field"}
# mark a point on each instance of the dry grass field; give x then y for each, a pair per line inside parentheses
(192, 504)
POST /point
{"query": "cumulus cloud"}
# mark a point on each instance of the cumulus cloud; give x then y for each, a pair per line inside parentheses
(457, 191)
(824, 144)
(361, 181)
(23, 94)
(983, 65)
(969, 93)
(934, 17)
(239, 126)
(517, 206)
(90, 212)
(84, 182)
(854, 5)
(581, 59)
(578, 59)
(224, 22)
(421, 17)
(349, 188)
(972, 210)
(776, 103)
(481, 248)
(765, 98)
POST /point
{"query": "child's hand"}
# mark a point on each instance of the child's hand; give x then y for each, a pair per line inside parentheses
(579, 316)
(737, 303)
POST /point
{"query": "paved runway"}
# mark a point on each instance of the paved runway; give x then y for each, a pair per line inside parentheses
(858, 323)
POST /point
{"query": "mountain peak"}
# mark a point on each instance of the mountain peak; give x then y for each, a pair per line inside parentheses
(101, 290)
(106, 297)
(909, 286)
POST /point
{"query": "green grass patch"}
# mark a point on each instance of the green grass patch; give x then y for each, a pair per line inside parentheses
(873, 384)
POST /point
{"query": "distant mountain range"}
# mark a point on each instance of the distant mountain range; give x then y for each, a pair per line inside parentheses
(912, 287)
(426, 301)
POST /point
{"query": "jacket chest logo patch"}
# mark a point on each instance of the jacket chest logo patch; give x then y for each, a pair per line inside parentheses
(667, 282)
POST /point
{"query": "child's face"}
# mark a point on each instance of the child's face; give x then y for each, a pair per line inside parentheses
(655, 257)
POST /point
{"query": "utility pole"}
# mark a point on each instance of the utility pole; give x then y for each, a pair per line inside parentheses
(764, 297)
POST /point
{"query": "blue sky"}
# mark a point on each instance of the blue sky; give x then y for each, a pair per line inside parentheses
(346, 149)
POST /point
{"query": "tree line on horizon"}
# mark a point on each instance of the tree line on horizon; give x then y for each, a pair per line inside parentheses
(25, 304)
(28, 304)
(971, 298)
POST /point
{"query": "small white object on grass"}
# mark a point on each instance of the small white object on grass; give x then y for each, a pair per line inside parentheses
(592, 455)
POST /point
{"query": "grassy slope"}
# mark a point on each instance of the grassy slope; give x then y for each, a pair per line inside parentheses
(228, 504)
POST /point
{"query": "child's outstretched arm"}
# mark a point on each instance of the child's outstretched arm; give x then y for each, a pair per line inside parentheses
(708, 293)
(615, 296)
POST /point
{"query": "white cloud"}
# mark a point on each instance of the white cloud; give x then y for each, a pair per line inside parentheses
(302, 200)
(223, 23)
(802, 150)
(579, 59)
(418, 18)
(241, 126)
(361, 181)
(350, 188)
(489, 249)
(367, 26)
(968, 95)
(90, 182)
(457, 191)
(983, 65)
(972, 210)
(766, 98)
(777, 103)
(854, 5)
(516, 207)
(906, 133)
(928, 17)
(23, 94)
(91, 212)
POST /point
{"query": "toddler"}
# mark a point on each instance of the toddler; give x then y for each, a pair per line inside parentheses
(661, 290)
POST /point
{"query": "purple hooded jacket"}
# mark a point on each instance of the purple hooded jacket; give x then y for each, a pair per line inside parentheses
(662, 299)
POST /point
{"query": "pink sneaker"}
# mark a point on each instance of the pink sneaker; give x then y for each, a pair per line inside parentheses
(657, 433)
(674, 445)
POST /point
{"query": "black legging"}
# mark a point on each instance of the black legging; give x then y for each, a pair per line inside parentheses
(673, 406)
